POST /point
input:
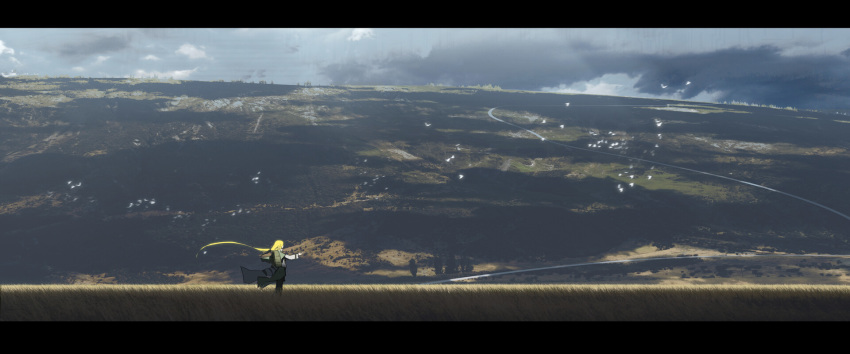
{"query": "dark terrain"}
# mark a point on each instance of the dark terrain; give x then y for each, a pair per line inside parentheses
(116, 180)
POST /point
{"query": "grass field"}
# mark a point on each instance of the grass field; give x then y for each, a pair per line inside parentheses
(454, 302)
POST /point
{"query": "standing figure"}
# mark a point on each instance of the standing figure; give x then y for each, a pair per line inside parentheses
(275, 273)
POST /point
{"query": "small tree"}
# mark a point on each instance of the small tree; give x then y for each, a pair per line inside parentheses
(438, 265)
(413, 267)
(466, 265)
(451, 265)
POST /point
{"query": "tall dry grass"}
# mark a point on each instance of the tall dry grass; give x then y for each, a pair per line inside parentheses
(449, 302)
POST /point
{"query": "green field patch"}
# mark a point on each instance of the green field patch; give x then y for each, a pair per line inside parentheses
(521, 167)
(446, 130)
(597, 170)
(661, 180)
(565, 134)
(422, 177)
(371, 152)
(692, 108)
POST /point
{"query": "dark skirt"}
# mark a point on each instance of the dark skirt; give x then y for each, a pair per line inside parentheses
(264, 277)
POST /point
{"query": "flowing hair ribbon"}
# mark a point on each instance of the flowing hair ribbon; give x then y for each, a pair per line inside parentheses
(231, 242)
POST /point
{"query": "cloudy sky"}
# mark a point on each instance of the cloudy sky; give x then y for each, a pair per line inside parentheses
(799, 67)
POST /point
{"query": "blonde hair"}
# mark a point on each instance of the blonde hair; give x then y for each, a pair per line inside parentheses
(277, 245)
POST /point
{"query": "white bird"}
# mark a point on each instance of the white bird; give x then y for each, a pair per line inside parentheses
(562, 126)
(427, 124)
(648, 177)
(460, 176)
(663, 86)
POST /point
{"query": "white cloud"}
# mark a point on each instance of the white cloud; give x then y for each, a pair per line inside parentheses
(192, 51)
(78, 68)
(360, 33)
(6, 50)
(101, 59)
(174, 74)
(608, 84)
(151, 57)
(623, 85)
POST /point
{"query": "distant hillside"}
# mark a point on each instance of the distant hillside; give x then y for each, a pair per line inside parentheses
(123, 180)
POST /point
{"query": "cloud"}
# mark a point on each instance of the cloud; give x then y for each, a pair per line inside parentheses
(360, 33)
(95, 45)
(504, 64)
(174, 74)
(192, 51)
(608, 85)
(762, 74)
(151, 57)
(6, 50)
(100, 59)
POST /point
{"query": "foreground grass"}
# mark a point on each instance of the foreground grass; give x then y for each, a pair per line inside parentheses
(451, 302)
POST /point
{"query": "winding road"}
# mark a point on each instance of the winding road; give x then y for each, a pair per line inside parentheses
(672, 166)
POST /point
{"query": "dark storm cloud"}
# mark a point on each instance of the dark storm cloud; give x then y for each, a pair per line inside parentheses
(755, 75)
(93, 46)
(761, 75)
(521, 65)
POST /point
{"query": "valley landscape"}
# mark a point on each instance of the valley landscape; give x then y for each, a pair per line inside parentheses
(122, 181)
